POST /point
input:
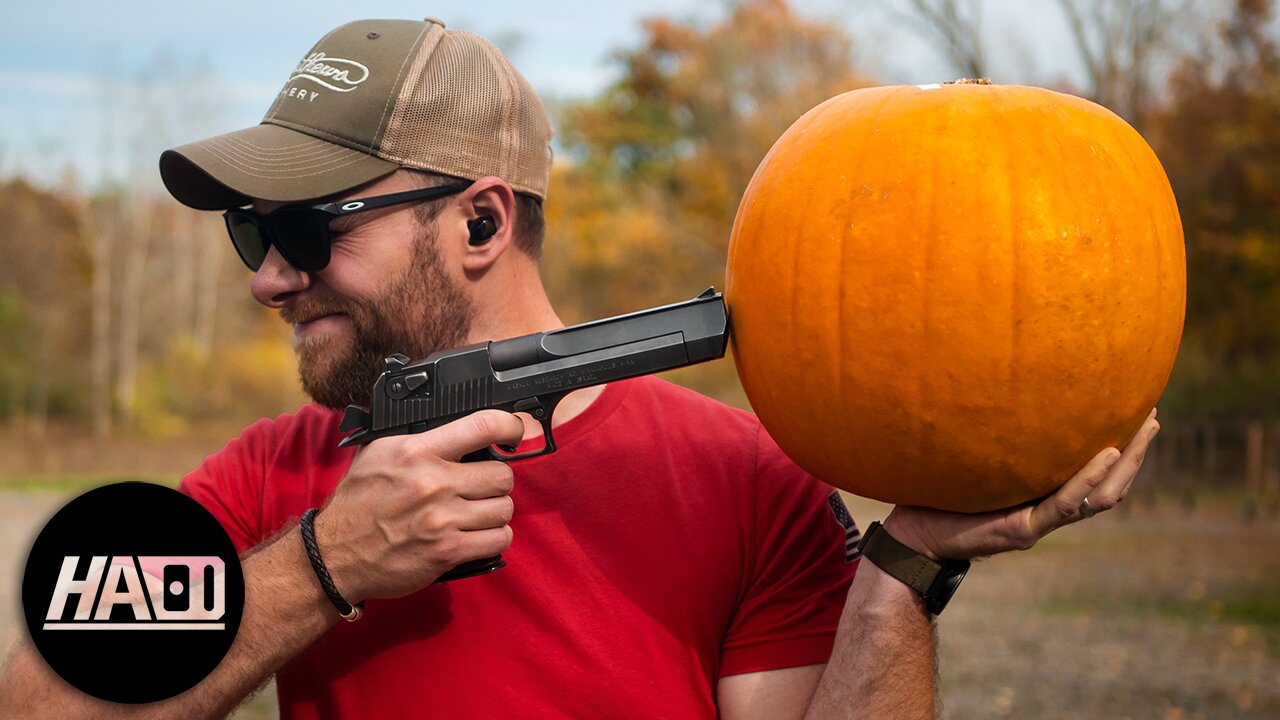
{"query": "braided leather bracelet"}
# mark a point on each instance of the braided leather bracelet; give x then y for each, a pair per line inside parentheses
(346, 610)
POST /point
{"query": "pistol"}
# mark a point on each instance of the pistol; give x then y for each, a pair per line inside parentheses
(532, 374)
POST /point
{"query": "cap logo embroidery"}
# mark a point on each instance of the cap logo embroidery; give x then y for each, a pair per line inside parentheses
(334, 73)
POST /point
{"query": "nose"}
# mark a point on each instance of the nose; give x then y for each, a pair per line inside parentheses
(277, 282)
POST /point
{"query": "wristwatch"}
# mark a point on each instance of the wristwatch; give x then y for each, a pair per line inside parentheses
(935, 580)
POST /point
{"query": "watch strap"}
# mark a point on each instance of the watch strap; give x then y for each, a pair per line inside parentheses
(934, 580)
(901, 562)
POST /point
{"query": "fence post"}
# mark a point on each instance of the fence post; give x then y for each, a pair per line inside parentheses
(1167, 453)
(1253, 437)
(1209, 458)
(1186, 462)
(1271, 469)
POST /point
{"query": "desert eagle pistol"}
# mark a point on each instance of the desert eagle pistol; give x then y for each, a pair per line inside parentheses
(532, 374)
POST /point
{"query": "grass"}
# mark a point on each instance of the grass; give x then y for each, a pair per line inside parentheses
(1253, 606)
(74, 484)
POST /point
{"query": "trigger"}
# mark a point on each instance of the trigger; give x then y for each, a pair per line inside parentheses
(542, 412)
(550, 446)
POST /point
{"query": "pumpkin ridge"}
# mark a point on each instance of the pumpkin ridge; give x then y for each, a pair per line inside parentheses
(1020, 296)
(925, 383)
(866, 141)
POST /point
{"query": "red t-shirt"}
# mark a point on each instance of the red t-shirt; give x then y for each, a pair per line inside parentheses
(666, 544)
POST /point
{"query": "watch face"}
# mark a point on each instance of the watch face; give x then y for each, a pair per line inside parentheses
(944, 586)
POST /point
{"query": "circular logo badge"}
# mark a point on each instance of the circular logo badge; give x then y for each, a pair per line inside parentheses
(133, 592)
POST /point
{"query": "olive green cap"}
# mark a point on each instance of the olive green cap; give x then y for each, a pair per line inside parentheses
(371, 97)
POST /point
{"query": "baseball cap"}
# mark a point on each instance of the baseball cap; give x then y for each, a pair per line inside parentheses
(371, 97)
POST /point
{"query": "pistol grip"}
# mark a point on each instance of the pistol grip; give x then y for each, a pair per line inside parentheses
(483, 566)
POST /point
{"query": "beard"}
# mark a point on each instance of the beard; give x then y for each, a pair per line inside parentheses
(419, 313)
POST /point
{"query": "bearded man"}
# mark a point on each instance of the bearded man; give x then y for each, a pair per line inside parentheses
(667, 561)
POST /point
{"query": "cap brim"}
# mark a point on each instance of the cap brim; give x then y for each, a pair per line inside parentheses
(266, 162)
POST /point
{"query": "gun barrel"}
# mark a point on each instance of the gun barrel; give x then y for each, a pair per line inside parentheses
(701, 323)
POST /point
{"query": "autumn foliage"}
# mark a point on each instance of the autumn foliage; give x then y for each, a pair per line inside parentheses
(123, 312)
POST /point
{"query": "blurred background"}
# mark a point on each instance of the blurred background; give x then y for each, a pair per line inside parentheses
(130, 348)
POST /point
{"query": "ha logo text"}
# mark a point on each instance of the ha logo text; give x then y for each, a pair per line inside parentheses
(142, 592)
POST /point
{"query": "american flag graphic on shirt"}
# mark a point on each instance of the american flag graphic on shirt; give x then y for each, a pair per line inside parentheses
(852, 536)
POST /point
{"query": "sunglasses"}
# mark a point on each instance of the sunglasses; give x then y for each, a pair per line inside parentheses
(301, 232)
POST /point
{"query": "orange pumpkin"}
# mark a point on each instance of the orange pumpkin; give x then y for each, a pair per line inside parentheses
(955, 295)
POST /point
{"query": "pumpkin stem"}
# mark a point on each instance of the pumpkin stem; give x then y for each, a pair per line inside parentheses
(972, 81)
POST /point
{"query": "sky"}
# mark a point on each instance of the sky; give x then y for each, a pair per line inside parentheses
(72, 67)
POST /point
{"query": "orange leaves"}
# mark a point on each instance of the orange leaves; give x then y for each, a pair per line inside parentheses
(657, 164)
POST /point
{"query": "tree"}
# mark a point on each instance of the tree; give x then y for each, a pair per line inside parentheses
(958, 26)
(39, 317)
(98, 235)
(1219, 142)
(1125, 46)
(657, 164)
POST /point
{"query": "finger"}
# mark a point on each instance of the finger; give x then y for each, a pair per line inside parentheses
(474, 432)
(1121, 476)
(487, 479)
(486, 543)
(486, 514)
(1151, 429)
(1062, 507)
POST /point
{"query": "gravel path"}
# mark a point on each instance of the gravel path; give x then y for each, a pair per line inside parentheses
(22, 514)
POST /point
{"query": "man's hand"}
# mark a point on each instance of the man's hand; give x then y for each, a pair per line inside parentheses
(1104, 481)
(883, 663)
(409, 511)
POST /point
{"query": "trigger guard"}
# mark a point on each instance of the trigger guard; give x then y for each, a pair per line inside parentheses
(539, 410)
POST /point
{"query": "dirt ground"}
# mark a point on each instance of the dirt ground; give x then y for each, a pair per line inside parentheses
(1159, 611)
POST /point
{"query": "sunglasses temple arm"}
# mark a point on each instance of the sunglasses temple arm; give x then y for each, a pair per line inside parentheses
(382, 201)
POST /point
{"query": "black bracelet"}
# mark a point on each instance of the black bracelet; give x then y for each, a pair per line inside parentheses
(349, 612)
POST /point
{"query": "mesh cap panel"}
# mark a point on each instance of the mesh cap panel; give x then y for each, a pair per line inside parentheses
(465, 111)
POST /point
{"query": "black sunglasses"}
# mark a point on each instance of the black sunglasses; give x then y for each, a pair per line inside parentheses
(301, 232)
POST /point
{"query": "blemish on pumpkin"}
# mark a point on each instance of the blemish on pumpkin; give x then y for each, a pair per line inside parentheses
(972, 81)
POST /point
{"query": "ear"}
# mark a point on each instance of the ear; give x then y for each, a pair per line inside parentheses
(492, 197)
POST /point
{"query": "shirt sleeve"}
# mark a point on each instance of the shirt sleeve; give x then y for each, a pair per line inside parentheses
(803, 565)
(229, 483)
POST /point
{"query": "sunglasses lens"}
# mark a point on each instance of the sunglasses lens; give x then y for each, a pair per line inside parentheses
(247, 238)
(302, 236)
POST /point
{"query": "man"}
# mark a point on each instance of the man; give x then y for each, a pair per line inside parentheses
(669, 560)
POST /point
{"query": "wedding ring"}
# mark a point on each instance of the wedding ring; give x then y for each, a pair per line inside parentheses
(1085, 511)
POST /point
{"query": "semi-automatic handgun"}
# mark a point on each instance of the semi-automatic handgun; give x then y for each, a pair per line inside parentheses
(532, 373)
